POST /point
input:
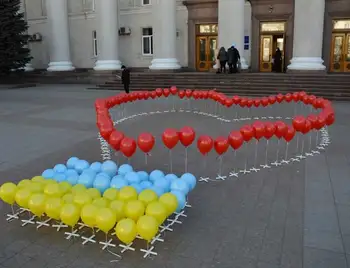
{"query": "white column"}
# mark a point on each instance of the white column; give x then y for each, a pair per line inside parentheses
(164, 35)
(308, 36)
(107, 35)
(57, 14)
(23, 8)
(231, 26)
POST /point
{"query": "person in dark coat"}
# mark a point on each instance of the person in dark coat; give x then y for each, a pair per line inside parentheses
(222, 57)
(233, 58)
(277, 61)
(126, 78)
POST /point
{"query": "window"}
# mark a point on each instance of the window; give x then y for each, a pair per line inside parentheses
(147, 41)
(43, 8)
(146, 2)
(89, 5)
(94, 43)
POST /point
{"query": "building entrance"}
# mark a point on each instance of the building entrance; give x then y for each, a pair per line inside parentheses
(206, 45)
(340, 51)
(272, 36)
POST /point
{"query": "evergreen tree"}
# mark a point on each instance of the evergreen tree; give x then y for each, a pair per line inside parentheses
(14, 54)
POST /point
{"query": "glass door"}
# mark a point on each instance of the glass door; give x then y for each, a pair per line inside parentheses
(347, 54)
(205, 52)
(266, 45)
(337, 53)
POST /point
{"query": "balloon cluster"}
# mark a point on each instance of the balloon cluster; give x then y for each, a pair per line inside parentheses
(103, 196)
(186, 136)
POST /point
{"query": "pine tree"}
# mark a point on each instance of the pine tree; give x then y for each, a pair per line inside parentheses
(14, 54)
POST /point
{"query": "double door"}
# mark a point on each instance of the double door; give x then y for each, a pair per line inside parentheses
(340, 53)
(205, 52)
(268, 46)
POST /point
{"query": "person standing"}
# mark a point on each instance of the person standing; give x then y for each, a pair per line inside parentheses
(126, 78)
(277, 61)
(222, 57)
(233, 58)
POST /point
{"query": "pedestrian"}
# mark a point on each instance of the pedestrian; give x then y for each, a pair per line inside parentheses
(222, 57)
(277, 61)
(126, 78)
(233, 59)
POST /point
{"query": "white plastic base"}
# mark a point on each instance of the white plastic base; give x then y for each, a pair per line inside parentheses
(165, 64)
(60, 66)
(306, 64)
(107, 65)
(244, 65)
(28, 68)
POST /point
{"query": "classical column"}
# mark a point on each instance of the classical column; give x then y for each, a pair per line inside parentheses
(57, 14)
(308, 36)
(231, 26)
(107, 35)
(23, 8)
(164, 35)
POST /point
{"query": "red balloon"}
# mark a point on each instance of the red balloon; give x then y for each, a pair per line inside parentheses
(288, 97)
(195, 94)
(159, 92)
(307, 127)
(166, 92)
(145, 141)
(321, 121)
(115, 139)
(264, 101)
(205, 94)
(173, 90)
(153, 94)
(272, 99)
(221, 145)
(100, 103)
(235, 139)
(140, 95)
(128, 147)
(279, 98)
(228, 103)
(205, 144)
(250, 103)
(106, 131)
(181, 94)
(259, 130)
(236, 99)
(188, 93)
(330, 119)
(170, 138)
(313, 120)
(187, 136)
(296, 96)
(289, 135)
(247, 132)
(257, 102)
(243, 102)
(305, 99)
(270, 129)
(299, 122)
(281, 129)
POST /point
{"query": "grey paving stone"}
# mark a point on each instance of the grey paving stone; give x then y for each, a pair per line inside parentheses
(17, 260)
(323, 259)
(267, 265)
(324, 240)
(344, 218)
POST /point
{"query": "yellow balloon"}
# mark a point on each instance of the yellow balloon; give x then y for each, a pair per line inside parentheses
(105, 219)
(147, 196)
(68, 198)
(36, 187)
(118, 208)
(94, 193)
(126, 230)
(78, 188)
(38, 179)
(7, 192)
(147, 227)
(22, 197)
(36, 204)
(101, 202)
(88, 215)
(127, 193)
(111, 194)
(170, 202)
(158, 211)
(134, 209)
(81, 199)
(70, 214)
(53, 190)
(65, 187)
(49, 181)
(53, 207)
(24, 183)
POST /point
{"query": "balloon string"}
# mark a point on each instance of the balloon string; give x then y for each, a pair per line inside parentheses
(266, 150)
(316, 142)
(310, 141)
(234, 161)
(256, 152)
(12, 210)
(146, 162)
(278, 150)
(171, 161)
(246, 157)
(220, 164)
(302, 147)
(185, 159)
(286, 155)
(297, 147)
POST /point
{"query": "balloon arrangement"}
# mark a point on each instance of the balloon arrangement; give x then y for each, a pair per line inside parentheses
(258, 130)
(102, 196)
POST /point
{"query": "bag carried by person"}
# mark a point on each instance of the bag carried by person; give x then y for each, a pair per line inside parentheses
(239, 66)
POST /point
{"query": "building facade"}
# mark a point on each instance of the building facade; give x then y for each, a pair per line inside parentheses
(313, 35)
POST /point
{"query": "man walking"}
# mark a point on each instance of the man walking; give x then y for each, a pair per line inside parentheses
(233, 58)
(126, 78)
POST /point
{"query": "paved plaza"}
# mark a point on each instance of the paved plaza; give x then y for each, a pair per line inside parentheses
(293, 216)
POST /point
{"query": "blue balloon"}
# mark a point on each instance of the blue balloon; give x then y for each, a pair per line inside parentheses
(81, 165)
(146, 184)
(71, 162)
(132, 177)
(96, 166)
(86, 180)
(59, 177)
(124, 169)
(101, 183)
(73, 179)
(143, 175)
(118, 183)
(171, 177)
(109, 167)
(48, 173)
(71, 172)
(60, 168)
(104, 174)
(181, 200)
(162, 183)
(155, 174)
(137, 187)
(89, 172)
(180, 185)
(159, 191)
(190, 179)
